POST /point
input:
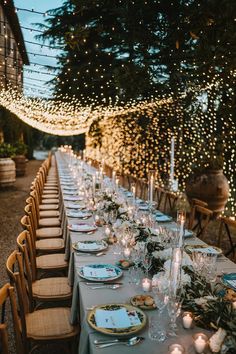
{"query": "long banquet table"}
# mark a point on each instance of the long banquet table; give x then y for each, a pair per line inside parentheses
(84, 297)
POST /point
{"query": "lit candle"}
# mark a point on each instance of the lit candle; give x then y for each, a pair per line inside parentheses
(200, 342)
(113, 176)
(127, 252)
(181, 231)
(133, 190)
(187, 320)
(146, 284)
(107, 231)
(176, 349)
(94, 183)
(117, 182)
(151, 189)
(172, 160)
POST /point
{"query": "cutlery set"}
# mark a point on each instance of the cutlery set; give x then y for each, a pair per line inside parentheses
(108, 343)
(100, 285)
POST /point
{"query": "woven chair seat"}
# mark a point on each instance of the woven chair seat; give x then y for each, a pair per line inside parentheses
(50, 201)
(51, 261)
(49, 214)
(49, 323)
(48, 191)
(49, 222)
(56, 287)
(50, 196)
(49, 232)
(48, 188)
(56, 244)
(48, 206)
(51, 185)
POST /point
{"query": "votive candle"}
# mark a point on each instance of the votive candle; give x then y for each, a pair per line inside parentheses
(187, 320)
(200, 342)
(176, 349)
(146, 284)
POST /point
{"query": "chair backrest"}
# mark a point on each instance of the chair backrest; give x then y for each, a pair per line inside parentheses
(6, 293)
(25, 246)
(15, 272)
(170, 201)
(227, 224)
(29, 213)
(201, 219)
(159, 194)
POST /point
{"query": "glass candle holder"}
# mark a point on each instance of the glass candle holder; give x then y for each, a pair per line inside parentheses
(200, 341)
(176, 349)
(146, 284)
(187, 319)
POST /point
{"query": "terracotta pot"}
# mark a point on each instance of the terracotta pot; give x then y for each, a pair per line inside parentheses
(7, 172)
(211, 186)
(20, 162)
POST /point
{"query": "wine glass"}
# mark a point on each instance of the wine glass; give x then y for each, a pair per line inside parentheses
(174, 309)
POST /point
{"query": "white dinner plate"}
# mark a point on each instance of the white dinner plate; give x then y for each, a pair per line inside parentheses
(82, 227)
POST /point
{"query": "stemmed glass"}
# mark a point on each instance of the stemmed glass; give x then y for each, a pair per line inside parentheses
(174, 308)
(160, 291)
(147, 262)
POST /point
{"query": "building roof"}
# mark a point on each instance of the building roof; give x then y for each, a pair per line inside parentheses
(12, 18)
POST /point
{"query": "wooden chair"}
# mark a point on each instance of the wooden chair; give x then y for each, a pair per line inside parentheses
(170, 200)
(39, 327)
(7, 294)
(159, 194)
(45, 291)
(44, 232)
(200, 220)
(43, 265)
(193, 202)
(227, 224)
(42, 246)
(48, 221)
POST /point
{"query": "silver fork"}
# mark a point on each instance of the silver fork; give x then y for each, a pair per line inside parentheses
(113, 287)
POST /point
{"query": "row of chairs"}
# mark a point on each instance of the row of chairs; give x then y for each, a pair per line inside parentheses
(38, 291)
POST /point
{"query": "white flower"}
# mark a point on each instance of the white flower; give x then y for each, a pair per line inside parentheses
(201, 301)
(216, 341)
(164, 254)
(121, 210)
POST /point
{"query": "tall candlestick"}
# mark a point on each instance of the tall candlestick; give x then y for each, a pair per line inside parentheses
(175, 271)
(113, 176)
(151, 181)
(172, 160)
(181, 231)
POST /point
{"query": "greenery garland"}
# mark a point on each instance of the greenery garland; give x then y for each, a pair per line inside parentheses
(210, 306)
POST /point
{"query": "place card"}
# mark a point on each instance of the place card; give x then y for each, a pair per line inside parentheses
(99, 272)
(116, 318)
(88, 246)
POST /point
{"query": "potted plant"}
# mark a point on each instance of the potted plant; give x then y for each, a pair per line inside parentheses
(207, 181)
(7, 165)
(19, 158)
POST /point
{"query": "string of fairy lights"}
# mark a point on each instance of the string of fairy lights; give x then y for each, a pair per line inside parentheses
(119, 123)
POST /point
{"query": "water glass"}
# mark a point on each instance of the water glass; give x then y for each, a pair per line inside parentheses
(157, 327)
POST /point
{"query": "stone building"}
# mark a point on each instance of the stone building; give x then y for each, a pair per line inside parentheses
(13, 54)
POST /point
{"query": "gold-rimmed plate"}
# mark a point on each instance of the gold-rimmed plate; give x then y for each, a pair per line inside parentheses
(100, 272)
(132, 312)
(90, 246)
